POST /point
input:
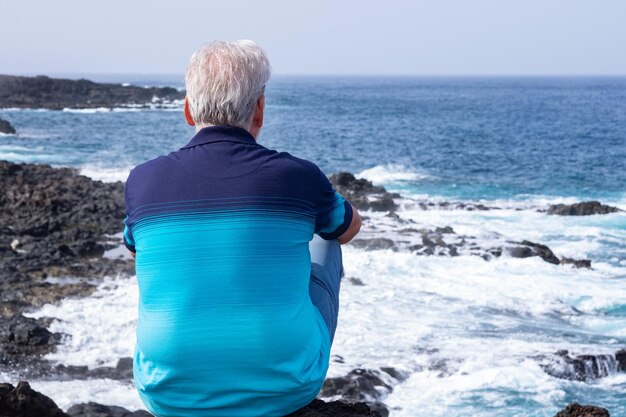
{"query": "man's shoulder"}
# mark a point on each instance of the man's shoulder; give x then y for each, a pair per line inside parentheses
(154, 167)
(288, 162)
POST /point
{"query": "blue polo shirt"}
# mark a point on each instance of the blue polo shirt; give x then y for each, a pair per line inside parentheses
(221, 229)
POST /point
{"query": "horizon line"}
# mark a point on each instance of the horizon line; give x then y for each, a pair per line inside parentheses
(321, 75)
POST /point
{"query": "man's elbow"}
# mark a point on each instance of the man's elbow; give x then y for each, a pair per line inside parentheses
(354, 228)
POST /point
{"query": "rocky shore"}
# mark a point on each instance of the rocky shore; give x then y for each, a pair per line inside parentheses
(56, 223)
(43, 92)
(6, 127)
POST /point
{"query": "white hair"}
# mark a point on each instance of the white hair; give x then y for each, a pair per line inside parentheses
(224, 81)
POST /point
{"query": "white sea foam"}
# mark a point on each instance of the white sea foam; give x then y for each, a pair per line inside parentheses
(87, 111)
(103, 391)
(105, 174)
(390, 173)
(100, 329)
(20, 109)
(17, 155)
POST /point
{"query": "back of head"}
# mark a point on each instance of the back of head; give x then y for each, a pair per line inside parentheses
(224, 80)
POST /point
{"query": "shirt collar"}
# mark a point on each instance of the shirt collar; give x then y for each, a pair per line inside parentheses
(224, 133)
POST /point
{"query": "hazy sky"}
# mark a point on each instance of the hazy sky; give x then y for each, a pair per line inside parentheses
(434, 37)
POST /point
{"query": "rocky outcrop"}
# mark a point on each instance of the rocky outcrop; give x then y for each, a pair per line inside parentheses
(92, 409)
(577, 410)
(6, 128)
(585, 208)
(53, 222)
(362, 194)
(319, 408)
(364, 385)
(526, 249)
(43, 92)
(444, 241)
(23, 338)
(22, 401)
(583, 367)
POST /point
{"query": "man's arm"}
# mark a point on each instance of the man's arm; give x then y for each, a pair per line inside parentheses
(353, 229)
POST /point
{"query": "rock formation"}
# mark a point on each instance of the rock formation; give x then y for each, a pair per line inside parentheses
(584, 208)
(43, 92)
(6, 128)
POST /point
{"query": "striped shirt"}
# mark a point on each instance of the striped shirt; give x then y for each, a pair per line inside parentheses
(221, 229)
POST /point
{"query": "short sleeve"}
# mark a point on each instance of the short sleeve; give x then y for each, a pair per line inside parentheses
(129, 242)
(334, 213)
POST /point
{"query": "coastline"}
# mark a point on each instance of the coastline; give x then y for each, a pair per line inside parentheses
(62, 223)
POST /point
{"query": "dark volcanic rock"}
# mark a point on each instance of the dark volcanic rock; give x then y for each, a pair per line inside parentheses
(363, 385)
(583, 367)
(54, 93)
(22, 336)
(362, 194)
(529, 249)
(45, 370)
(319, 408)
(91, 409)
(577, 410)
(358, 385)
(620, 357)
(578, 263)
(53, 222)
(585, 208)
(22, 401)
(6, 128)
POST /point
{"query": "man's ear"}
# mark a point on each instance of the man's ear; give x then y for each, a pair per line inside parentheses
(257, 121)
(187, 112)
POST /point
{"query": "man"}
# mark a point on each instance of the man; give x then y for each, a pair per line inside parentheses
(237, 304)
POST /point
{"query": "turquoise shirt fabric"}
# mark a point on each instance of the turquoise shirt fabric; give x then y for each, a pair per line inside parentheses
(226, 326)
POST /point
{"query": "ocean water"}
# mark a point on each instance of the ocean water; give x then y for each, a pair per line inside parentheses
(466, 331)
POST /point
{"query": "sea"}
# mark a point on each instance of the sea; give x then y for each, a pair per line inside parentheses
(464, 331)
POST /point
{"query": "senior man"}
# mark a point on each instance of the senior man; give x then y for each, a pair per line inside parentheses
(238, 301)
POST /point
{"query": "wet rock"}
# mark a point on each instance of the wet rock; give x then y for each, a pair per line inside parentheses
(374, 243)
(577, 410)
(6, 128)
(55, 222)
(620, 357)
(585, 208)
(22, 401)
(55, 93)
(528, 249)
(358, 385)
(583, 367)
(356, 281)
(22, 337)
(92, 409)
(455, 205)
(123, 371)
(447, 229)
(578, 263)
(362, 194)
(319, 408)
(363, 385)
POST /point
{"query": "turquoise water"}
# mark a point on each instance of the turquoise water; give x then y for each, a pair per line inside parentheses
(516, 143)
